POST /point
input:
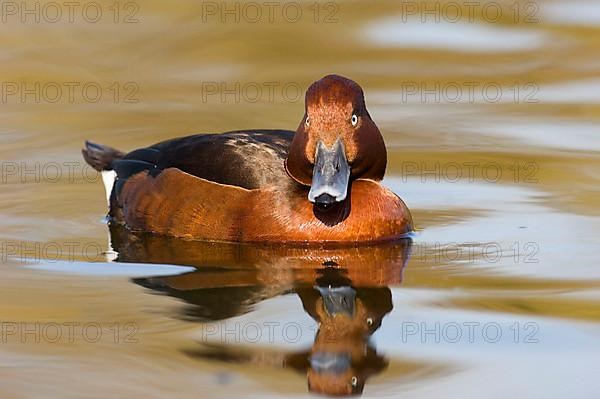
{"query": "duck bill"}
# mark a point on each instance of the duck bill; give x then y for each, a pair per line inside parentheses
(331, 175)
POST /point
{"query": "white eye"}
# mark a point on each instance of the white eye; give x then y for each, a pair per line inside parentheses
(369, 321)
(307, 122)
(354, 120)
(354, 381)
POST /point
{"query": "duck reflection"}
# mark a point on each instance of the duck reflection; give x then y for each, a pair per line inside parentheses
(345, 290)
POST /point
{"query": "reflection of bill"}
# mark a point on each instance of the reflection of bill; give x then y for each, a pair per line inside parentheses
(345, 290)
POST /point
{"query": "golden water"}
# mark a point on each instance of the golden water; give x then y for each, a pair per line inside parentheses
(514, 252)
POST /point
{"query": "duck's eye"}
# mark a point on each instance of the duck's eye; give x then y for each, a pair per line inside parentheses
(354, 120)
(307, 122)
(354, 381)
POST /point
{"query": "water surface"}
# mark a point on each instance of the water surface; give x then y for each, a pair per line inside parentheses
(496, 296)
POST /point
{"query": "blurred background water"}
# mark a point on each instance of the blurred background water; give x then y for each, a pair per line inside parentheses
(490, 111)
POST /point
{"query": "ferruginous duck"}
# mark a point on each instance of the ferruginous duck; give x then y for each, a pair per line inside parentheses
(318, 184)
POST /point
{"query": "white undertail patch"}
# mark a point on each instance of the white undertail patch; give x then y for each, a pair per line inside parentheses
(108, 178)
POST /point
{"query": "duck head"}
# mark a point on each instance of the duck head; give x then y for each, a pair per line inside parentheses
(336, 142)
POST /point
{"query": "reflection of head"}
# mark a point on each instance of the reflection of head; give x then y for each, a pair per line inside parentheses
(369, 304)
(341, 359)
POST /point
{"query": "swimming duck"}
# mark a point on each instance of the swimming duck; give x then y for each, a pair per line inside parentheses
(317, 184)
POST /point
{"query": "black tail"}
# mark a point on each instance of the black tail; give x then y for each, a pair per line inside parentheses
(100, 157)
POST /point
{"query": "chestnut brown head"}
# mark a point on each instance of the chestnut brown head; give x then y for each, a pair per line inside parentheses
(336, 141)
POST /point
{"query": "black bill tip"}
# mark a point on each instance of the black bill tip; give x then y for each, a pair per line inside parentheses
(325, 201)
